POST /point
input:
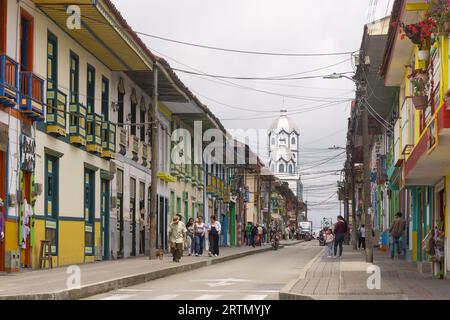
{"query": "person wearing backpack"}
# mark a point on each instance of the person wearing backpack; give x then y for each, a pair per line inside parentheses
(340, 229)
(396, 231)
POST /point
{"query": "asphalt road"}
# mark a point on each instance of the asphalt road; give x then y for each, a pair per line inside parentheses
(256, 277)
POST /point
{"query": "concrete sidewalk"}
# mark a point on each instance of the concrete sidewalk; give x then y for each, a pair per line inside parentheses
(104, 276)
(346, 279)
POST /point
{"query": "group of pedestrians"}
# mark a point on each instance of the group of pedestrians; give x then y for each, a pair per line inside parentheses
(255, 234)
(192, 237)
(334, 239)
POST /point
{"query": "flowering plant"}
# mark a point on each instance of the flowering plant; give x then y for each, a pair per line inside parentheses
(419, 81)
(440, 12)
(419, 33)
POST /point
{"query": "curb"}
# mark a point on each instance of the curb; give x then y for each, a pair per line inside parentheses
(118, 283)
(285, 293)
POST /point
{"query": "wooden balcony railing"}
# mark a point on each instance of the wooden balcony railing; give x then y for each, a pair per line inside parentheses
(108, 140)
(56, 112)
(31, 95)
(9, 81)
(134, 148)
(77, 124)
(94, 133)
(122, 140)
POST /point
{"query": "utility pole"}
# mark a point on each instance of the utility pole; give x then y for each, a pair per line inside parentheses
(366, 156)
(352, 188)
(155, 161)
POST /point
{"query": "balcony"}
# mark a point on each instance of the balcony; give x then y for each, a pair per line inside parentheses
(174, 169)
(77, 126)
(200, 178)
(56, 112)
(187, 175)
(122, 139)
(134, 148)
(9, 81)
(94, 133)
(194, 175)
(144, 151)
(108, 140)
(32, 95)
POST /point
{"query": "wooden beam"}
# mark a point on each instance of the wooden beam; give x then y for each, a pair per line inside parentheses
(417, 7)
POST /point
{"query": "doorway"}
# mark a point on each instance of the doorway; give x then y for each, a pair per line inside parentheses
(26, 41)
(119, 226)
(105, 219)
(133, 215)
(24, 231)
(2, 209)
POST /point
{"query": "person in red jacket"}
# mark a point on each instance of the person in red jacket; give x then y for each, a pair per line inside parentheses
(340, 229)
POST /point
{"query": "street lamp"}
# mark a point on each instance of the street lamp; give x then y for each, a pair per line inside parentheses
(336, 148)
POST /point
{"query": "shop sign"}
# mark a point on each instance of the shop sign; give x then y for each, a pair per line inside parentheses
(27, 153)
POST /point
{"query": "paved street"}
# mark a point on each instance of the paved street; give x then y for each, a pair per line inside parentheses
(257, 277)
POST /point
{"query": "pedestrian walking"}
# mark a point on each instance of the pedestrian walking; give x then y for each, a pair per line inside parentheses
(248, 229)
(395, 232)
(287, 231)
(214, 235)
(177, 236)
(340, 229)
(190, 237)
(362, 237)
(329, 241)
(142, 226)
(199, 230)
(253, 234)
(264, 234)
(260, 234)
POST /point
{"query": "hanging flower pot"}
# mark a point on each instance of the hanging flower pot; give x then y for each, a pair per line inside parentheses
(423, 55)
(420, 102)
(422, 76)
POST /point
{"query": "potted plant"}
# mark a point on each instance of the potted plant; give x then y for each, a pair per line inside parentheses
(419, 81)
(420, 34)
(440, 12)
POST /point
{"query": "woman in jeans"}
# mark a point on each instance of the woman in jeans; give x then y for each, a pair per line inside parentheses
(214, 234)
(190, 237)
(199, 232)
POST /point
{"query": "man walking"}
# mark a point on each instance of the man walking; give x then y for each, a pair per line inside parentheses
(177, 236)
(253, 234)
(395, 232)
(362, 237)
(340, 229)
(248, 229)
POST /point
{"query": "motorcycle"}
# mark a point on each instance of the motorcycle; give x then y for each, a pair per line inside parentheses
(275, 241)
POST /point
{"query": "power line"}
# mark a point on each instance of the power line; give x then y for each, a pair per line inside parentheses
(209, 46)
(251, 78)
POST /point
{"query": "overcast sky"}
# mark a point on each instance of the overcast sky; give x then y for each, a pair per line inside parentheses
(287, 26)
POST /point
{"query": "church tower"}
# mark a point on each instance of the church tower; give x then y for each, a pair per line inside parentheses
(284, 152)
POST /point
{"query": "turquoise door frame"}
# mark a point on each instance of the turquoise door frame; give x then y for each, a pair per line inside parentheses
(232, 224)
(105, 218)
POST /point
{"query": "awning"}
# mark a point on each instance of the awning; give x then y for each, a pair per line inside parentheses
(103, 32)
